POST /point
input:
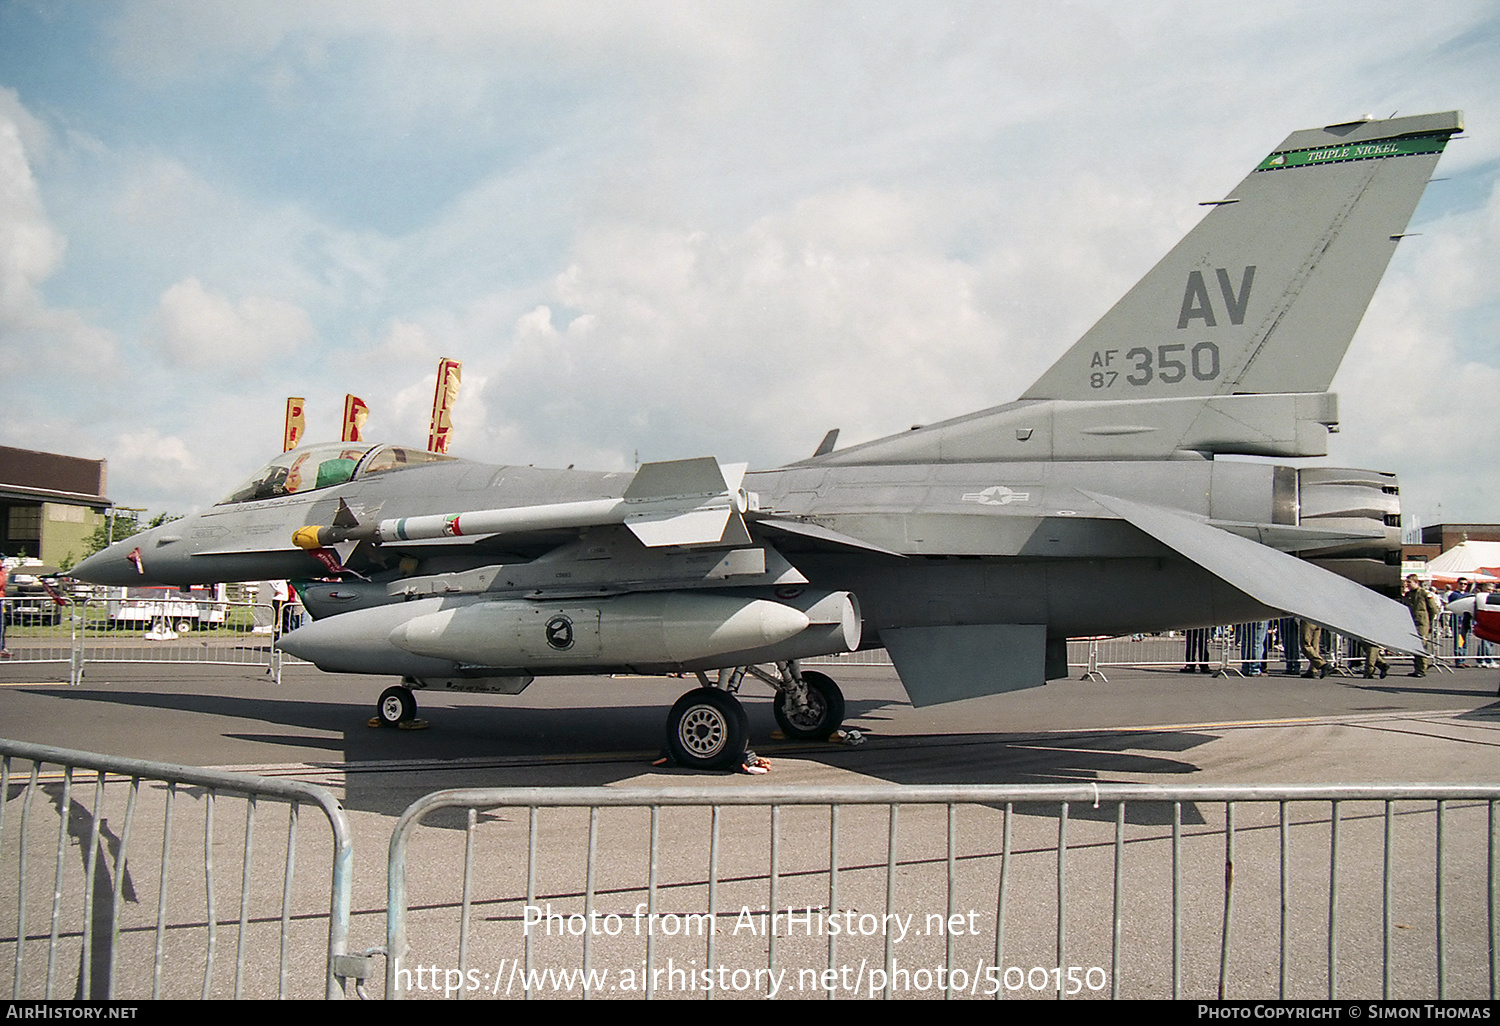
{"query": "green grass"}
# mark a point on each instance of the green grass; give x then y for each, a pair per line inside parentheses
(238, 621)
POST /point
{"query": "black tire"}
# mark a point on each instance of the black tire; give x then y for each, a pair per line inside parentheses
(397, 705)
(707, 729)
(825, 710)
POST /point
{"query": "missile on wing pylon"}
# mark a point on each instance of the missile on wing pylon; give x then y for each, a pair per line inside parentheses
(671, 503)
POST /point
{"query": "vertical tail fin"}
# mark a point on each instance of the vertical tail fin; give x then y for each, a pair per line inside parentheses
(1264, 295)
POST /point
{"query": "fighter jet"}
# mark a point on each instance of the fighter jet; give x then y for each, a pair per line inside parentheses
(971, 550)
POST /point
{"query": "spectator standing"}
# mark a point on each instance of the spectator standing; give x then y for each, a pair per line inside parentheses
(1252, 647)
(1484, 651)
(1423, 606)
(1463, 623)
(1288, 632)
(4, 577)
(1196, 655)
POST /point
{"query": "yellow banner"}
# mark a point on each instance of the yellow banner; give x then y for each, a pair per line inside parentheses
(442, 404)
(356, 412)
(292, 433)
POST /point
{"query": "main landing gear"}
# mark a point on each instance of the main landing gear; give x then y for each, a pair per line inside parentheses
(707, 727)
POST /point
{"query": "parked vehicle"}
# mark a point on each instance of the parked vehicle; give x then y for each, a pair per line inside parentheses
(181, 609)
(35, 595)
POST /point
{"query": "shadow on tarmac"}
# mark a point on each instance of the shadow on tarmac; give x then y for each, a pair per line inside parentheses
(485, 744)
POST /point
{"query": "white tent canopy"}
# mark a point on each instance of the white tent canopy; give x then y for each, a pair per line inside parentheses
(1466, 559)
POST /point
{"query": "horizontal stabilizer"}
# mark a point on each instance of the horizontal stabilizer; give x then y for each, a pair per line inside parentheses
(1275, 579)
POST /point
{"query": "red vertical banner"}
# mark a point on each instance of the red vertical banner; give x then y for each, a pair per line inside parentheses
(356, 412)
(292, 433)
(442, 404)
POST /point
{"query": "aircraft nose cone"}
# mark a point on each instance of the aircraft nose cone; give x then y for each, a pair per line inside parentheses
(112, 565)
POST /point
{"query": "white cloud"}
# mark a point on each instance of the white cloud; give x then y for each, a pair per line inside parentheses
(30, 249)
(152, 466)
(33, 334)
(749, 344)
(1418, 389)
(199, 328)
(680, 228)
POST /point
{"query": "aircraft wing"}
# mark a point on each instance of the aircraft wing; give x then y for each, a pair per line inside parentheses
(1274, 578)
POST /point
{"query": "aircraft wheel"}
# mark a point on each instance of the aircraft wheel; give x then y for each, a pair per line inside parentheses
(825, 709)
(397, 705)
(707, 729)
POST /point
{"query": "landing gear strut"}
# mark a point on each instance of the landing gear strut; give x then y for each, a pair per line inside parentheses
(820, 714)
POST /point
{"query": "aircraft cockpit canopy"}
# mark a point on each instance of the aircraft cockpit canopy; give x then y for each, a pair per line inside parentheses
(323, 466)
(397, 457)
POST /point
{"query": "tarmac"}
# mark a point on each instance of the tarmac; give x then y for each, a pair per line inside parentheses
(1138, 726)
(1148, 726)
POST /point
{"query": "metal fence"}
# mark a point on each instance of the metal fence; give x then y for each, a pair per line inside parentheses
(133, 879)
(1243, 649)
(244, 633)
(174, 630)
(1229, 654)
(974, 891)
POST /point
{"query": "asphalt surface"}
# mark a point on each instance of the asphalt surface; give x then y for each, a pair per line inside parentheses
(1141, 726)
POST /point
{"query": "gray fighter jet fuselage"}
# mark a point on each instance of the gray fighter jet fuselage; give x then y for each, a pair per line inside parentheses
(1101, 502)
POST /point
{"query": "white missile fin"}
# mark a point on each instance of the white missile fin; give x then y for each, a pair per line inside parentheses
(734, 475)
(693, 527)
(735, 531)
(668, 478)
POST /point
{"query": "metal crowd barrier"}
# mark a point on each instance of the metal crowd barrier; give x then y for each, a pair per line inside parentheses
(111, 897)
(1455, 647)
(1227, 654)
(1094, 656)
(968, 891)
(242, 634)
(165, 630)
(31, 636)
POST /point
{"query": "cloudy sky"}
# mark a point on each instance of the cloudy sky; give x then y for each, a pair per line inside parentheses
(677, 229)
